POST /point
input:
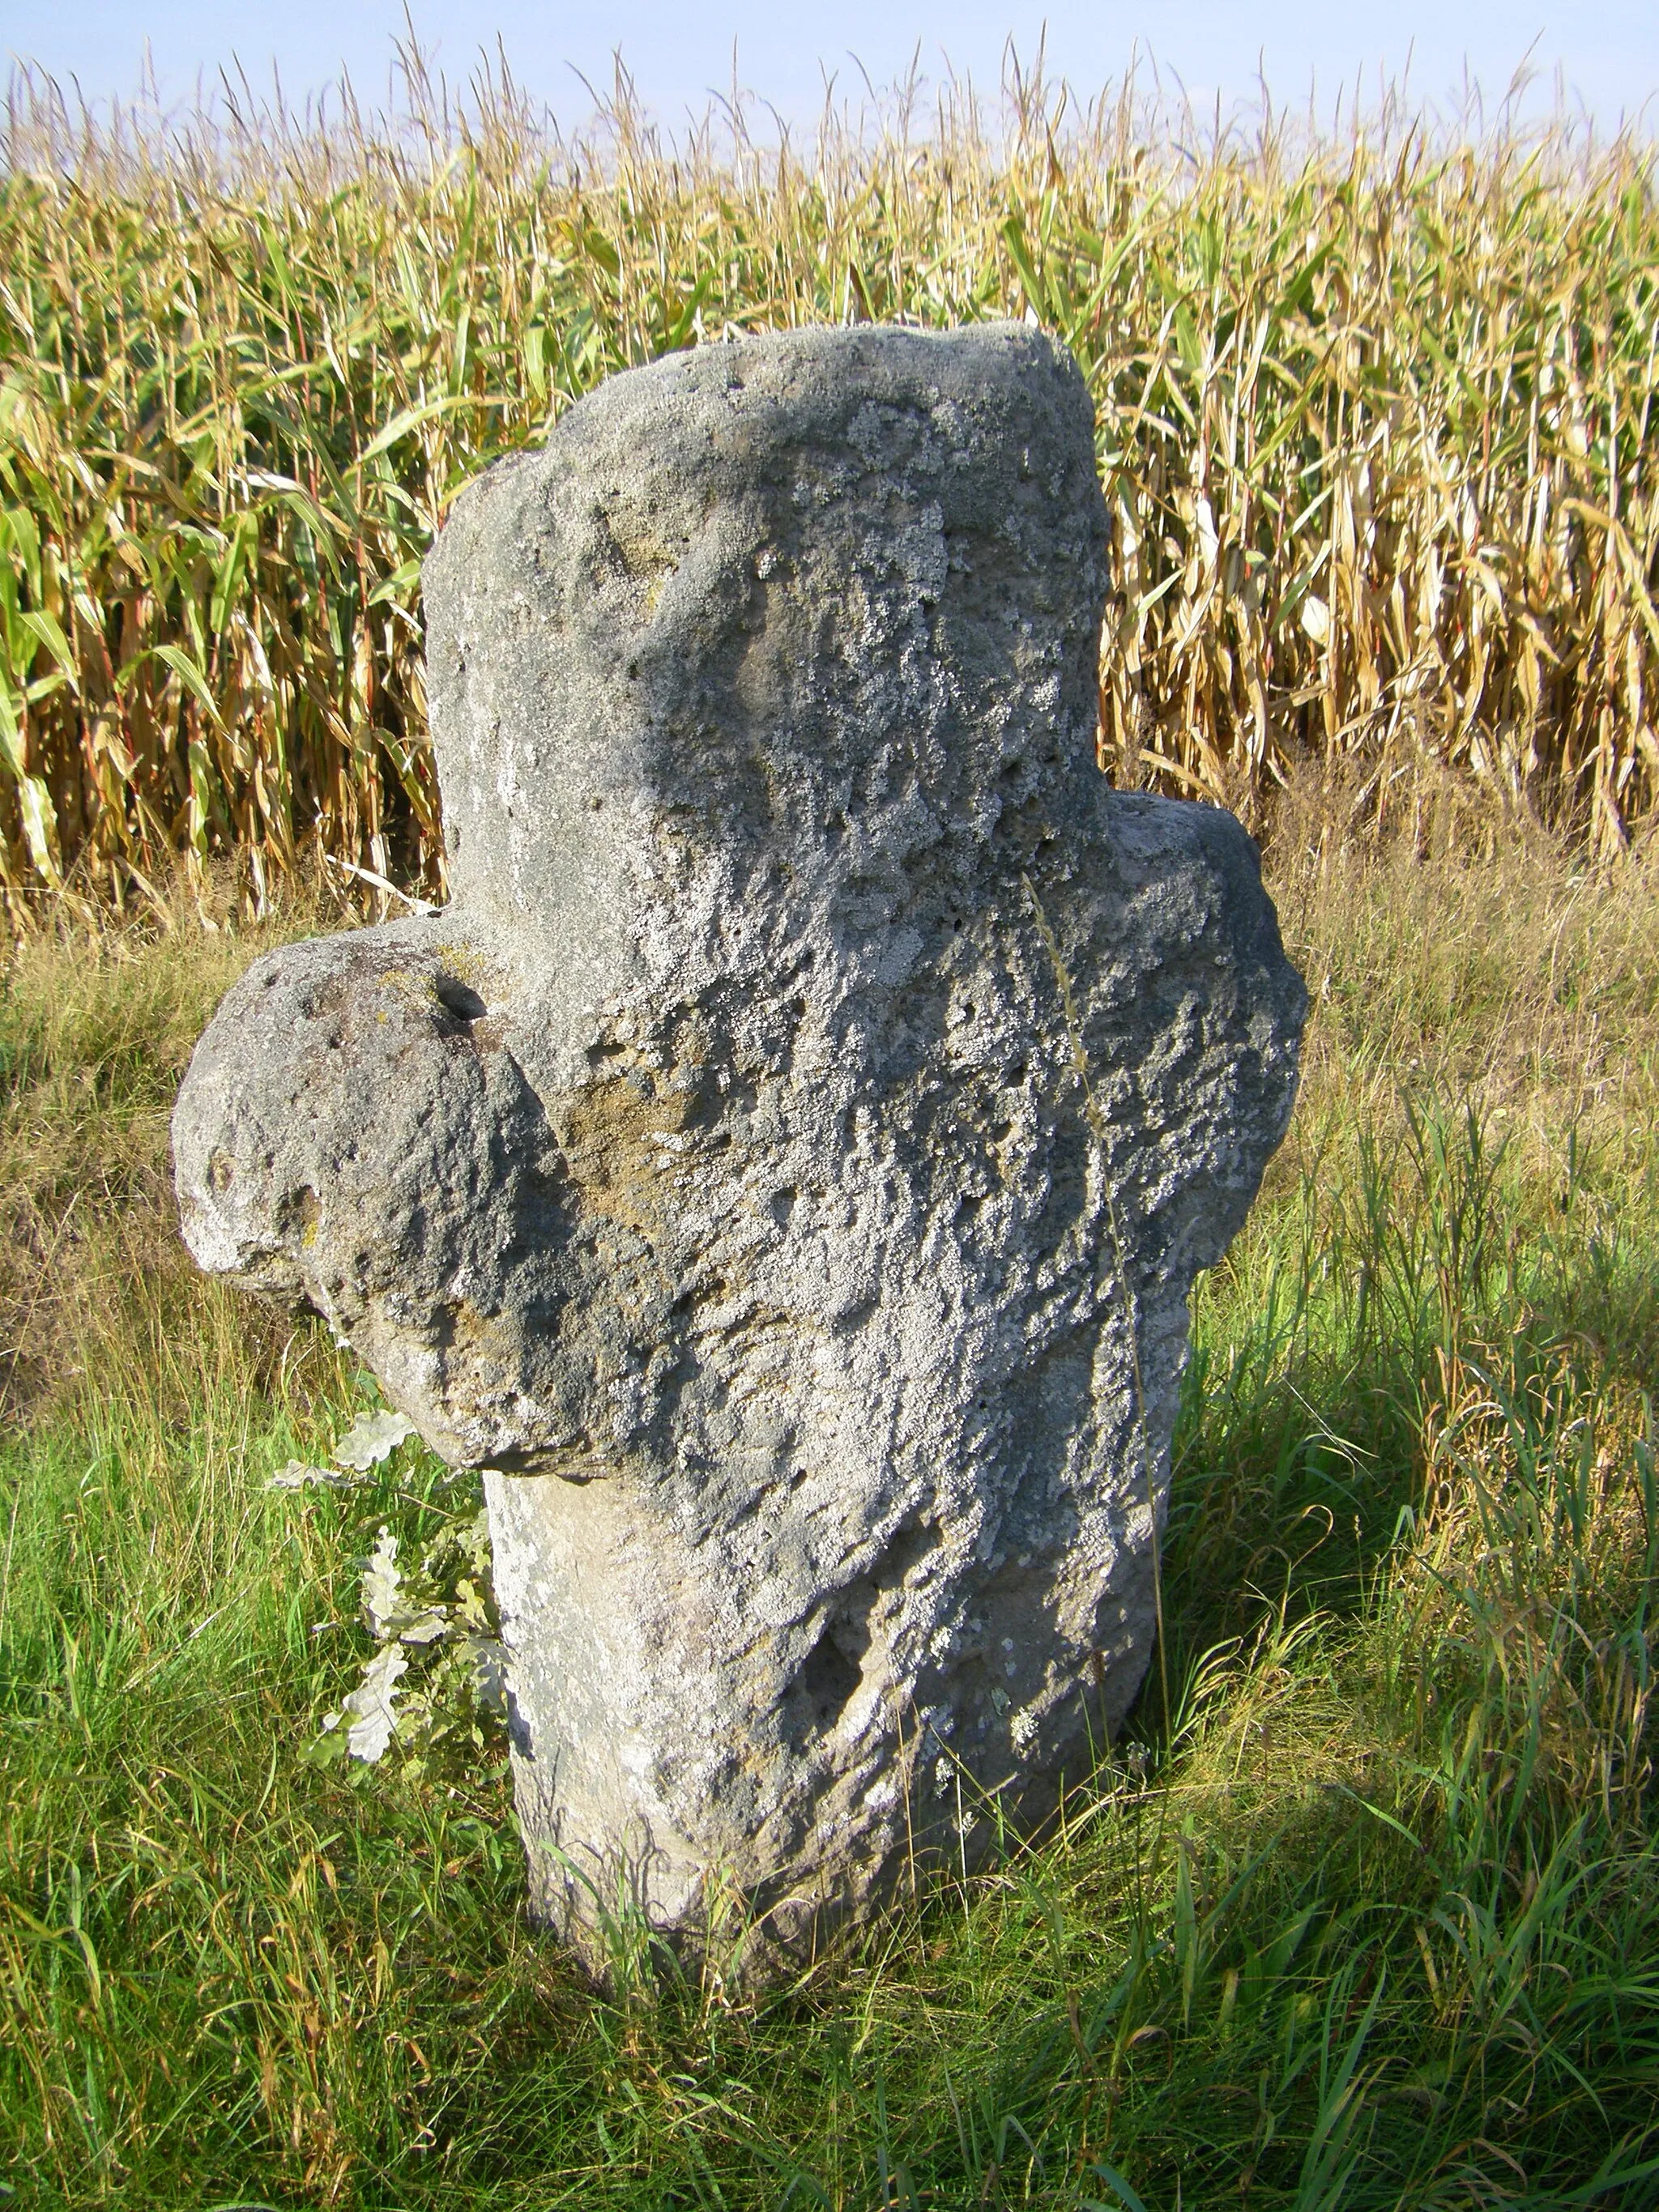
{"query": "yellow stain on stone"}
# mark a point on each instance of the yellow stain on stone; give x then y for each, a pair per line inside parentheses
(612, 1140)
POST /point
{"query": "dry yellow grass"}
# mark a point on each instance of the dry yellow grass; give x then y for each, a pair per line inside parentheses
(1376, 421)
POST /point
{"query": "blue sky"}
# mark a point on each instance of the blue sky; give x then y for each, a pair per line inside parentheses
(1604, 53)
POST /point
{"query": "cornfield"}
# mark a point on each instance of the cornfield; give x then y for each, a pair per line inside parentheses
(1375, 419)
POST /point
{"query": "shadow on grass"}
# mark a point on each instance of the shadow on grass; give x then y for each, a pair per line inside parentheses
(1324, 1345)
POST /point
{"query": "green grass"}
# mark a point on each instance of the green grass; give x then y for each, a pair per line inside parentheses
(1370, 1917)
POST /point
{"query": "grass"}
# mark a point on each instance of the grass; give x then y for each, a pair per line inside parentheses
(1375, 419)
(1370, 1917)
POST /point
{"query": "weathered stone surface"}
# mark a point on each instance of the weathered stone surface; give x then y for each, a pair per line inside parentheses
(719, 1169)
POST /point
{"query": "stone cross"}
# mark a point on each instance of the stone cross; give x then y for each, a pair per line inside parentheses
(783, 1165)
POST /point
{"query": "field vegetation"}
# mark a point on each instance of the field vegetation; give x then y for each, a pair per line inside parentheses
(1364, 1910)
(1375, 419)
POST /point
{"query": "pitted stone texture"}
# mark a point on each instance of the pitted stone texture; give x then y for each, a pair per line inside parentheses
(786, 1163)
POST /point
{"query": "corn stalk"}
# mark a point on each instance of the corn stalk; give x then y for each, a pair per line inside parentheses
(1376, 422)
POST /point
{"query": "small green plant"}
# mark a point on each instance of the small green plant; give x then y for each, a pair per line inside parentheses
(437, 1680)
